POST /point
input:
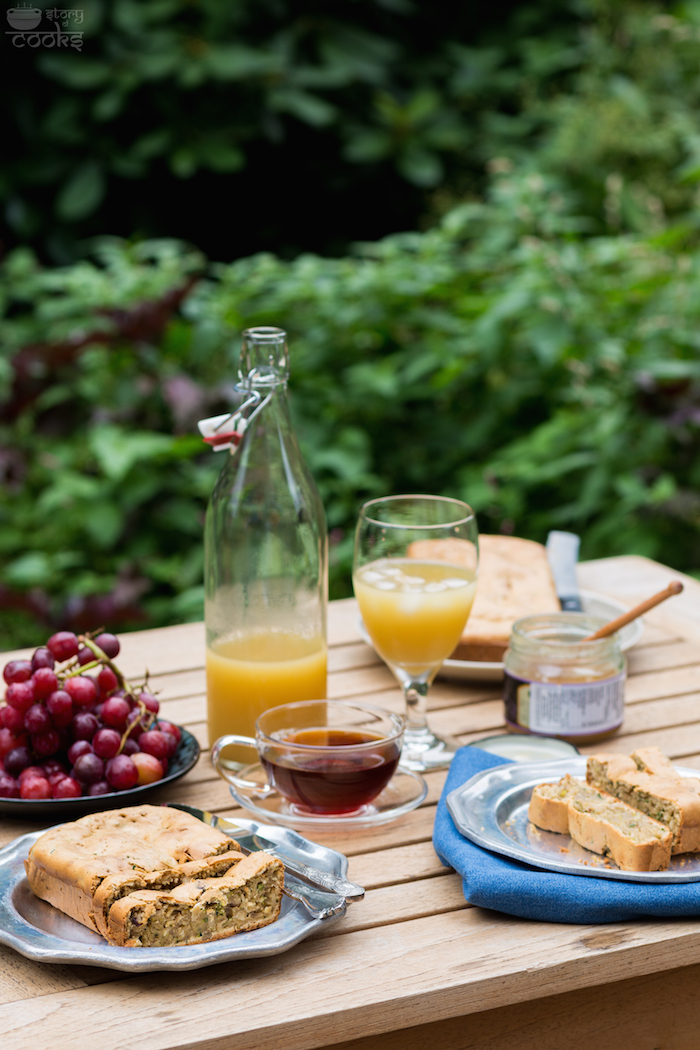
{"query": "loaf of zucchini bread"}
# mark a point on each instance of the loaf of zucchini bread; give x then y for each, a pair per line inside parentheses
(549, 804)
(86, 867)
(653, 760)
(607, 826)
(514, 581)
(114, 887)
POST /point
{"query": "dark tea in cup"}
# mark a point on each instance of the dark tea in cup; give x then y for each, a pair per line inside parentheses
(323, 756)
(334, 770)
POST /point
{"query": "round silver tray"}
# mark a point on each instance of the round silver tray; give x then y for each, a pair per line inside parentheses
(38, 931)
(491, 810)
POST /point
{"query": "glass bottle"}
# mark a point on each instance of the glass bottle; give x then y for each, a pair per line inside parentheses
(265, 553)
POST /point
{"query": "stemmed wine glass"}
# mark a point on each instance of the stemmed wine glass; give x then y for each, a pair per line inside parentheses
(415, 570)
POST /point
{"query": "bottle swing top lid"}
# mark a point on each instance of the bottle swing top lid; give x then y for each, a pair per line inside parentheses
(264, 363)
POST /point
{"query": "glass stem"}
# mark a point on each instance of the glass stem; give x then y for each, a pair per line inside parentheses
(416, 694)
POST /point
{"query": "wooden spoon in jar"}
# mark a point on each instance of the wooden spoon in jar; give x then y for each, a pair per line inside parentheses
(675, 587)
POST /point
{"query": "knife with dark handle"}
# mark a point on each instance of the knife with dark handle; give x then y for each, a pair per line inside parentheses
(252, 837)
(562, 555)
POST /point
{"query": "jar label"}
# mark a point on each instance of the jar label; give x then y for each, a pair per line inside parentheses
(565, 708)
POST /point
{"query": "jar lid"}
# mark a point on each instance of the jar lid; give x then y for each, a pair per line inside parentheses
(561, 634)
(526, 748)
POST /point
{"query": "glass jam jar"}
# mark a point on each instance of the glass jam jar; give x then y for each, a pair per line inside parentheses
(557, 685)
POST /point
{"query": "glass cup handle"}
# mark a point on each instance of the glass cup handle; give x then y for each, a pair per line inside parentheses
(244, 741)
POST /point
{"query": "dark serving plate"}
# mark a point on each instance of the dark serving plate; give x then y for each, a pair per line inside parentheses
(61, 809)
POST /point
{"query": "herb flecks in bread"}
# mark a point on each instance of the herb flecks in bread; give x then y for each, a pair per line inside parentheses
(607, 826)
(549, 804)
(203, 909)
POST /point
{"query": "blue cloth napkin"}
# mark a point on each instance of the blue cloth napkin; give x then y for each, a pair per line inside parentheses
(492, 881)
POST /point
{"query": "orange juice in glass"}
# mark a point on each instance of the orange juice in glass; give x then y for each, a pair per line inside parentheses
(415, 570)
(414, 611)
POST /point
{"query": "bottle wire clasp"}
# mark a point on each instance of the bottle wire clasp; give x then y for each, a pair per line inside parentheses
(225, 431)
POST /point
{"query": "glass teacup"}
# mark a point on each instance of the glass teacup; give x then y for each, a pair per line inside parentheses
(322, 756)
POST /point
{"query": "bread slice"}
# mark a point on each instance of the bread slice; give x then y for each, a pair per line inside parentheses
(601, 823)
(201, 910)
(514, 581)
(549, 804)
(607, 826)
(114, 887)
(137, 845)
(669, 800)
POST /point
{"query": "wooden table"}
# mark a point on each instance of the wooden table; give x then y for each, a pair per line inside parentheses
(412, 965)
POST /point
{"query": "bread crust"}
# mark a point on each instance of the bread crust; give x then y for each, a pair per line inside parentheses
(606, 826)
(653, 760)
(114, 887)
(601, 823)
(549, 804)
(477, 653)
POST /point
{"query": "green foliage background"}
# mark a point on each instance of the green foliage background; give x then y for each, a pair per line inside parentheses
(281, 124)
(535, 351)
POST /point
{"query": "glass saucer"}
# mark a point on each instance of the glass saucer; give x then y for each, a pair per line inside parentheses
(404, 792)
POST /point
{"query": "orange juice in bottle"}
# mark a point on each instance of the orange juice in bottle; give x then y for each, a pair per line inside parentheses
(250, 673)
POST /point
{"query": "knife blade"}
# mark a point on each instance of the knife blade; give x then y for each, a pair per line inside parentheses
(562, 554)
(253, 837)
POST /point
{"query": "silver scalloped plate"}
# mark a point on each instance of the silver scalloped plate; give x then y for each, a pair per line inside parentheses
(38, 931)
(491, 810)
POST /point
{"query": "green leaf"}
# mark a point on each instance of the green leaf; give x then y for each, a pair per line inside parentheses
(104, 521)
(152, 144)
(420, 166)
(117, 450)
(221, 156)
(82, 72)
(108, 105)
(237, 62)
(68, 489)
(32, 569)
(367, 146)
(184, 162)
(82, 194)
(309, 108)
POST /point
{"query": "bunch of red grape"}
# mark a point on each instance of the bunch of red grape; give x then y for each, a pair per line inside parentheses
(67, 732)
